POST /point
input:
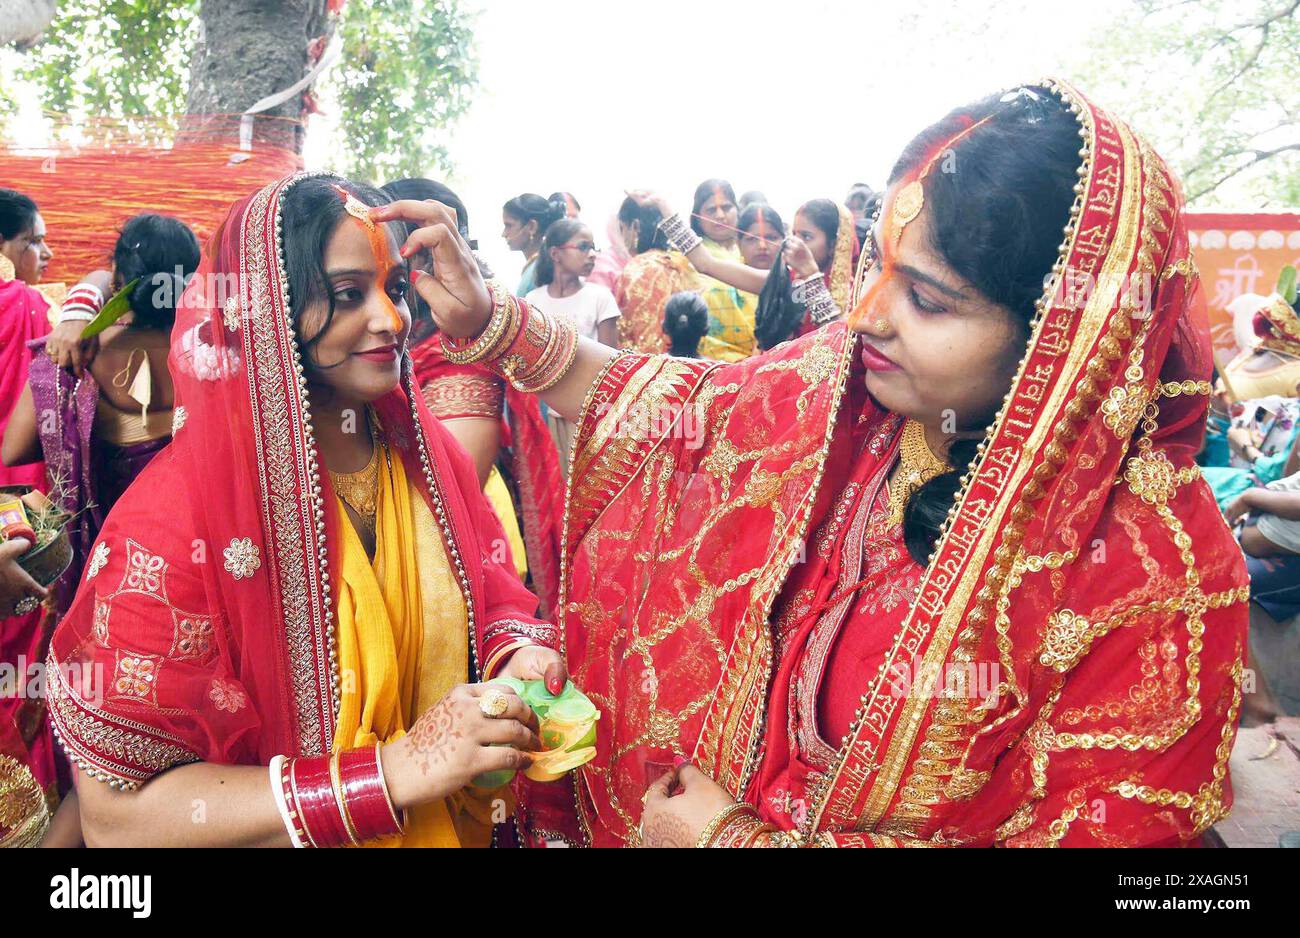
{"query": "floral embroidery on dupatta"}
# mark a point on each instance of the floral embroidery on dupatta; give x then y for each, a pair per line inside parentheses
(242, 558)
(97, 560)
(135, 677)
(226, 695)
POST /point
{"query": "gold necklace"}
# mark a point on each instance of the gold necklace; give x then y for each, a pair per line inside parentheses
(917, 466)
(360, 490)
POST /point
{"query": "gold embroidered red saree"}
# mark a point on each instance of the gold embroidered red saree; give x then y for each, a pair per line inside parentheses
(1084, 563)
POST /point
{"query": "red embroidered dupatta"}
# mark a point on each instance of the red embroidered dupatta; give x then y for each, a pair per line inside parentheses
(1084, 562)
(203, 628)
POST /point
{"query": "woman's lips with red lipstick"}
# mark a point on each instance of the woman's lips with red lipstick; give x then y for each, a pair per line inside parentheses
(384, 354)
(876, 360)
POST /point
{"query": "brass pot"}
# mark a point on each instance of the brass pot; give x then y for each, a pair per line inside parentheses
(46, 563)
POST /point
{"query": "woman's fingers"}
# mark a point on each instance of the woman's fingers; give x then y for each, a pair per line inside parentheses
(516, 709)
(82, 354)
(557, 674)
(437, 231)
(439, 239)
(422, 213)
(510, 733)
(658, 789)
(495, 758)
(688, 776)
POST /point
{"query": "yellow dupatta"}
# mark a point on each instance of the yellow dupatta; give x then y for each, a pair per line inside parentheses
(403, 643)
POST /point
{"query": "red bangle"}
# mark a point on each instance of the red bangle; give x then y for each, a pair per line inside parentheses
(365, 796)
(319, 810)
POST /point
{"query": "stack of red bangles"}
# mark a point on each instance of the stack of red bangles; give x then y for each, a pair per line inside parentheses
(82, 304)
(334, 800)
(533, 350)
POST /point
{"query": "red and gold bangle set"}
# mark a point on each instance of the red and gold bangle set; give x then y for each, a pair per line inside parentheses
(335, 800)
(530, 348)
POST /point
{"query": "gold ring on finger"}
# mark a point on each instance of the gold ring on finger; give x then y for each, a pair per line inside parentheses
(493, 703)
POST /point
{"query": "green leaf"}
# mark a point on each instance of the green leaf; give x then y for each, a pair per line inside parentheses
(1286, 284)
(116, 307)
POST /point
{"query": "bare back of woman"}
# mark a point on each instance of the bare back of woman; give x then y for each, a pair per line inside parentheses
(122, 354)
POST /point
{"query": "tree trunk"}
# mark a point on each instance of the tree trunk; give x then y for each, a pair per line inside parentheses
(247, 50)
(23, 21)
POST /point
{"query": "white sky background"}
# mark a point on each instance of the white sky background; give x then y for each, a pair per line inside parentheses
(796, 98)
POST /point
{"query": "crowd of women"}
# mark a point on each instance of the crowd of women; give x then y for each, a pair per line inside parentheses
(866, 527)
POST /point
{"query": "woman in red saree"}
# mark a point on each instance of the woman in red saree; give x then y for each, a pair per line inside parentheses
(304, 570)
(1047, 650)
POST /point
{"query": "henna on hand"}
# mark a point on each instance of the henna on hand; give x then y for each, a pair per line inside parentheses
(434, 734)
(666, 830)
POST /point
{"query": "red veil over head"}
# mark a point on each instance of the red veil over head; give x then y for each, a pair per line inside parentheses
(1084, 562)
(203, 627)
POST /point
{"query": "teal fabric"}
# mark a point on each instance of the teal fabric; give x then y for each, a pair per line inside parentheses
(1216, 451)
(528, 279)
(1227, 483)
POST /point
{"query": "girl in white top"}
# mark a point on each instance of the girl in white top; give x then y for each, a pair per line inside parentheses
(567, 256)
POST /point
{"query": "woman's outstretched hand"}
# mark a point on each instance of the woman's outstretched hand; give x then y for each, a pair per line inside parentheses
(453, 287)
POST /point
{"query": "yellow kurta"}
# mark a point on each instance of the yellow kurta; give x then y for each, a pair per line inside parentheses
(731, 312)
(403, 643)
(498, 497)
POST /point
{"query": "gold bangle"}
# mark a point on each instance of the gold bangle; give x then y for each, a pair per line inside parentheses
(383, 783)
(773, 837)
(742, 832)
(535, 335)
(337, 786)
(710, 832)
(487, 340)
(556, 359)
(514, 322)
(566, 354)
(489, 669)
